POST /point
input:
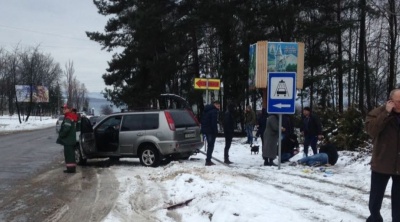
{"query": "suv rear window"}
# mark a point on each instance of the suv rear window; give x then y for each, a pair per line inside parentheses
(182, 119)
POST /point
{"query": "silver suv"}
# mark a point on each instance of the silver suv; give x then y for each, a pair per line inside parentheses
(58, 123)
(152, 136)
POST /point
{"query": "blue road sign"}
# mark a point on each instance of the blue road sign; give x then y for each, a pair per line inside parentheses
(281, 92)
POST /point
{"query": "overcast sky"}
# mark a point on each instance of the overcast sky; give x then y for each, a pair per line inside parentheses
(58, 28)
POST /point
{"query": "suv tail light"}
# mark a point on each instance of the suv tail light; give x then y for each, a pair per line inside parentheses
(170, 121)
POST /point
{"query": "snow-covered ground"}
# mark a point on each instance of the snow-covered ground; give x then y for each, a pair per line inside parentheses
(245, 191)
(11, 123)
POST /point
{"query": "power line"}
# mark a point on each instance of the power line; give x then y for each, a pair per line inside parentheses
(48, 46)
(42, 33)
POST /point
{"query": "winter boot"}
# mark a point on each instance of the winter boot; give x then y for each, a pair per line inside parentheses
(70, 170)
(209, 163)
(227, 161)
(271, 162)
(266, 162)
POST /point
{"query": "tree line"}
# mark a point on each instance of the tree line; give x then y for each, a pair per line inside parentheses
(351, 51)
(31, 67)
(351, 55)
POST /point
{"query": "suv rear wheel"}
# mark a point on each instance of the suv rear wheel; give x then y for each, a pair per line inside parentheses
(149, 156)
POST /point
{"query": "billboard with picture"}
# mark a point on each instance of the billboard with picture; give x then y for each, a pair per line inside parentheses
(40, 94)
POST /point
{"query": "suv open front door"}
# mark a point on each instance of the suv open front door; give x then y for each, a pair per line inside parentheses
(87, 139)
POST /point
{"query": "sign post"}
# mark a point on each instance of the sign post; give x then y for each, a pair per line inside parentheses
(204, 83)
(281, 98)
(207, 84)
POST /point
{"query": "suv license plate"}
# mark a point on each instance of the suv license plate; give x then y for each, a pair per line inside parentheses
(190, 135)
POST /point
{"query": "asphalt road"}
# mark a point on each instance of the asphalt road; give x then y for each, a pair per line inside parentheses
(34, 188)
(24, 153)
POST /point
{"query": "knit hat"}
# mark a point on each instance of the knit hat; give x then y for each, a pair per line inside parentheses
(307, 108)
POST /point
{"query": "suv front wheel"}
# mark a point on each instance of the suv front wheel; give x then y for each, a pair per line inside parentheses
(149, 156)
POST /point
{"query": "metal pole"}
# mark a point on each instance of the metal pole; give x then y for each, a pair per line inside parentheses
(207, 91)
(58, 99)
(279, 141)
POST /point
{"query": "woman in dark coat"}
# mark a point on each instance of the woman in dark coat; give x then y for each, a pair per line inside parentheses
(271, 138)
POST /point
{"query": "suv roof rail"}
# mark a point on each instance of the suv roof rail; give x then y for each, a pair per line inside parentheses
(167, 100)
(136, 109)
(164, 101)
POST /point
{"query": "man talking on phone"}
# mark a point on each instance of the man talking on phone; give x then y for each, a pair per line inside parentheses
(383, 125)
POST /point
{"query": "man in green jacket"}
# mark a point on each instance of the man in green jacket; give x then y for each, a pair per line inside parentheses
(383, 125)
(67, 138)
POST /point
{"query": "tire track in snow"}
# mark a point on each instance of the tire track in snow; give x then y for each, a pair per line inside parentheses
(322, 195)
(329, 192)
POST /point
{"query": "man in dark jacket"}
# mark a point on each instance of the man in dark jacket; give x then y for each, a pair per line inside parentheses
(209, 127)
(289, 147)
(287, 126)
(261, 122)
(383, 125)
(229, 126)
(67, 138)
(311, 129)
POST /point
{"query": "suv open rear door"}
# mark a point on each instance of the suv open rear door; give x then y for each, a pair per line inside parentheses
(87, 139)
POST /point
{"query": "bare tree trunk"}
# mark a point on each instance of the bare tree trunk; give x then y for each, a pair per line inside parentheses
(196, 72)
(69, 74)
(361, 51)
(13, 63)
(350, 71)
(367, 81)
(311, 88)
(392, 44)
(339, 77)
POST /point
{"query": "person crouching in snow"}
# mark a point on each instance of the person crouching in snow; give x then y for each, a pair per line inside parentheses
(327, 155)
(289, 147)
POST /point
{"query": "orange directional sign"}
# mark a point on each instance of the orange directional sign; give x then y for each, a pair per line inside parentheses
(201, 83)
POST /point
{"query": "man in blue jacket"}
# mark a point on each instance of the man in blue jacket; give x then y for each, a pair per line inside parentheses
(209, 127)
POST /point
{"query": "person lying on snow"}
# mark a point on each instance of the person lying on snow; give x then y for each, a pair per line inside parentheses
(327, 155)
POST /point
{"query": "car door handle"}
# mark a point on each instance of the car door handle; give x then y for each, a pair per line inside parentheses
(140, 134)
